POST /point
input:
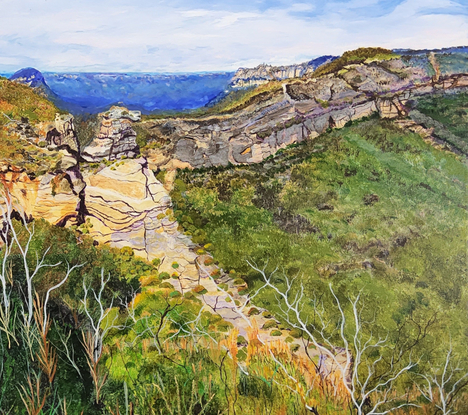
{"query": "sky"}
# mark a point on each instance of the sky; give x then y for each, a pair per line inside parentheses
(210, 35)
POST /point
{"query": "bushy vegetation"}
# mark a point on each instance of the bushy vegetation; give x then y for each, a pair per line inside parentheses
(19, 101)
(450, 110)
(356, 56)
(157, 351)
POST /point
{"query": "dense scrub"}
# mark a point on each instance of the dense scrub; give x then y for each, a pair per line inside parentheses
(356, 56)
(450, 110)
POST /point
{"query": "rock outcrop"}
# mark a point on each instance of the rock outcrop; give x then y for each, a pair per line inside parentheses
(127, 206)
(116, 138)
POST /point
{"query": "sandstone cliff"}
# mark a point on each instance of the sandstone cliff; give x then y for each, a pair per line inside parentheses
(302, 109)
(46, 182)
(251, 77)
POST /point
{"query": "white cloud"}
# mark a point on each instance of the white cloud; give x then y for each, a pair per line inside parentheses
(105, 35)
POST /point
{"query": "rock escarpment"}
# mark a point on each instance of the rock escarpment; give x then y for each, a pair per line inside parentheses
(302, 109)
(251, 77)
(116, 138)
(127, 206)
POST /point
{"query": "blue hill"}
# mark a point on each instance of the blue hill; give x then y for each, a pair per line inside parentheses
(95, 92)
(29, 76)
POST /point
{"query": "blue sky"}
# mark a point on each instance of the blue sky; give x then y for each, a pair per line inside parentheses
(207, 35)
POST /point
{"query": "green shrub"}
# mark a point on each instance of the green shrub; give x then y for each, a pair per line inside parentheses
(296, 333)
(199, 289)
(253, 311)
(269, 324)
(126, 250)
(175, 294)
(294, 347)
(276, 333)
(164, 275)
(288, 339)
(167, 285)
(241, 341)
(189, 295)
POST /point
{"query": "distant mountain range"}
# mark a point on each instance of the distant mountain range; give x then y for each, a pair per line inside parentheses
(151, 93)
(96, 92)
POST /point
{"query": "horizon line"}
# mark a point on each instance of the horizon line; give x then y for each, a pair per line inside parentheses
(210, 72)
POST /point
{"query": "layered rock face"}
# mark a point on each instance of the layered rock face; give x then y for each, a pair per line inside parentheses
(303, 109)
(116, 138)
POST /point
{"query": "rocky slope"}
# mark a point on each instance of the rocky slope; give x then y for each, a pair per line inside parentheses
(301, 109)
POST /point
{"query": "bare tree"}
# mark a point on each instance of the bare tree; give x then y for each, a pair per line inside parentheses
(34, 318)
(99, 325)
(443, 386)
(371, 390)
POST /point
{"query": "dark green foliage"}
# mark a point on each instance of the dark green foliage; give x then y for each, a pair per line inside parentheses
(450, 110)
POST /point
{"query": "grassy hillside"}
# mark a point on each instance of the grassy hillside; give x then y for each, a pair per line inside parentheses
(20, 103)
(370, 208)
